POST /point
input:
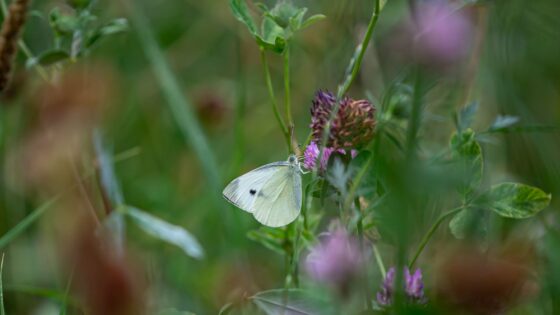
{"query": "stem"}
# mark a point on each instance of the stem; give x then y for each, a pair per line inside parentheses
(287, 88)
(343, 88)
(355, 65)
(24, 48)
(367, 292)
(2, 311)
(379, 261)
(431, 232)
(273, 99)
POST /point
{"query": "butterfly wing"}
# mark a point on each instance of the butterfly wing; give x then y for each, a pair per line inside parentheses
(243, 191)
(279, 200)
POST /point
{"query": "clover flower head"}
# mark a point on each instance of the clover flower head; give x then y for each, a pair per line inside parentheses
(311, 156)
(335, 261)
(352, 127)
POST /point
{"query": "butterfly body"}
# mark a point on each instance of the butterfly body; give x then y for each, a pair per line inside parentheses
(272, 192)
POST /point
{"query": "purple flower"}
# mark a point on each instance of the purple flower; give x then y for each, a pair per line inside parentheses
(441, 33)
(414, 287)
(335, 261)
(352, 127)
(311, 155)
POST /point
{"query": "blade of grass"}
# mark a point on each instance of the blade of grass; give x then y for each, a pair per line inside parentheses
(26, 222)
(2, 311)
(177, 102)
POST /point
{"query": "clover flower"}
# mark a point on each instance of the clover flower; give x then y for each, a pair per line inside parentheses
(335, 261)
(414, 287)
(352, 127)
(311, 156)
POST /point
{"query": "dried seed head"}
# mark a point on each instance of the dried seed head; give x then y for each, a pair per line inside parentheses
(352, 127)
(9, 36)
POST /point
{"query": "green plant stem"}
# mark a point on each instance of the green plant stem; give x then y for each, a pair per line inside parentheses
(379, 261)
(26, 222)
(287, 96)
(356, 182)
(367, 291)
(355, 65)
(2, 311)
(362, 47)
(25, 49)
(431, 232)
(268, 80)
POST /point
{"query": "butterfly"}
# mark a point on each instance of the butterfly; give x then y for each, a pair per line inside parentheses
(272, 192)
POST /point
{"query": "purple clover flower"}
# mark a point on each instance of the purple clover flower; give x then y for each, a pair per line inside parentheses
(335, 261)
(352, 127)
(311, 155)
(414, 287)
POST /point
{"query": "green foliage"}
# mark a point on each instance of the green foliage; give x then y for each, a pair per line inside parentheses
(514, 200)
(280, 301)
(278, 24)
(468, 161)
(48, 58)
(172, 311)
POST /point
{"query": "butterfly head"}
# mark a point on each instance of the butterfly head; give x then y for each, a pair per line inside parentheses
(292, 159)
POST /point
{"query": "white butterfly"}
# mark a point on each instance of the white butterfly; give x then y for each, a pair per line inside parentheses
(272, 192)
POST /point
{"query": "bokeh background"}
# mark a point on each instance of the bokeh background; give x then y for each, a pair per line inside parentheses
(516, 71)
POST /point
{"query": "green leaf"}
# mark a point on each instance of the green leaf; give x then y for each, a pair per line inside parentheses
(271, 31)
(297, 20)
(116, 26)
(166, 232)
(514, 200)
(63, 24)
(292, 301)
(503, 122)
(241, 13)
(465, 116)
(270, 238)
(467, 157)
(284, 12)
(107, 172)
(469, 222)
(2, 310)
(25, 223)
(172, 311)
(312, 20)
(48, 58)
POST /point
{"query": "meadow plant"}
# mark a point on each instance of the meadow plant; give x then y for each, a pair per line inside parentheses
(394, 162)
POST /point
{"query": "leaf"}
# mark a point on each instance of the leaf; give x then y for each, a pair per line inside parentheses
(107, 172)
(312, 20)
(48, 58)
(514, 200)
(292, 302)
(172, 311)
(503, 122)
(241, 13)
(465, 116)
(467, 155)
(116, 26)
(226, 309)
(26, 222)
(271, 31)
(2, 310)
(270, 238)
(468, 221)
(63, 24)
(166, 232)
(283, 12)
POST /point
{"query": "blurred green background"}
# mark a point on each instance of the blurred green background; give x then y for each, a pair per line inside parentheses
(218, 70)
